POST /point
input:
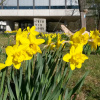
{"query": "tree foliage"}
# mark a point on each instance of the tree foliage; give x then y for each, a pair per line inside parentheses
(95, 5)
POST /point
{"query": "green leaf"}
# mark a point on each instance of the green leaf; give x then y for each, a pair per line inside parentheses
(5, 93)
(69, 75)
(66, 94)
(39, 65)
(54, 94)
(2, 81)
(16, 84)
(49, 93)
(78, 86)
(40, 95)
(10, 90)
(1, 96)
(20, 77)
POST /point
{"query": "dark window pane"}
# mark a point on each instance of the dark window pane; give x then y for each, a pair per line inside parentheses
(57, 7)
(9, 7)
(72, 7)
(41, 7)
(25, 7)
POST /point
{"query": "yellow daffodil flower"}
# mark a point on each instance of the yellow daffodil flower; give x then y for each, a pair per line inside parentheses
(33, 47)
(15, 55)
(94, 39)
(50, 43)
(26, 45)
(79, 38)
(59, 42)
(75, 57)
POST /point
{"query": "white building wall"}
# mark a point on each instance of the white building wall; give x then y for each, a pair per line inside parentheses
(40, 12)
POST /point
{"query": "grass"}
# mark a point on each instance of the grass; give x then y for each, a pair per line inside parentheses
(91, 88)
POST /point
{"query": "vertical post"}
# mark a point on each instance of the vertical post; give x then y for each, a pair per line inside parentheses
(2, 4)
(33, 4)
(17, 4)
(65, 4)
(49, 4)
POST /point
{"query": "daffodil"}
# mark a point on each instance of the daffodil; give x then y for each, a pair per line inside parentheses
(28, 38)
(33, 32)
(50, 43)
(75, 57)
(79, 37)
(22, 37)
(94, 39)
(15, 55)
(33, 43)
(59, 42)
(26, 45)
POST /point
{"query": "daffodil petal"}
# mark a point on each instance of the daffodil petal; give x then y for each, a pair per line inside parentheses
(72, 50)
(79, 49)
(2, 66)
(17, 65)
(8, 61)
(67, 57)
(39, 41)
(9, 50)
(79, 65)
(72, 66)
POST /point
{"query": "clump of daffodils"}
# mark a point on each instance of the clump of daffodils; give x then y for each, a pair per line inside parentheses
(78, 40)
(26, 46)
(55, 44)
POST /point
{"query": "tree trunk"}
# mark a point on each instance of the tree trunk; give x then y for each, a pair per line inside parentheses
(82, 13)
(98, 25)
(83, 19)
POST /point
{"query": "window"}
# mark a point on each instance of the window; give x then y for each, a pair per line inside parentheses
(41, 4)
(72, 4)
(10, 4)
(57, 4)
(25, 4)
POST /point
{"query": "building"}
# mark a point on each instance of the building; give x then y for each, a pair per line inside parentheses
(21, 13)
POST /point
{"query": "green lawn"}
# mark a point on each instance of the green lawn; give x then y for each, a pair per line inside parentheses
(91, 88)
